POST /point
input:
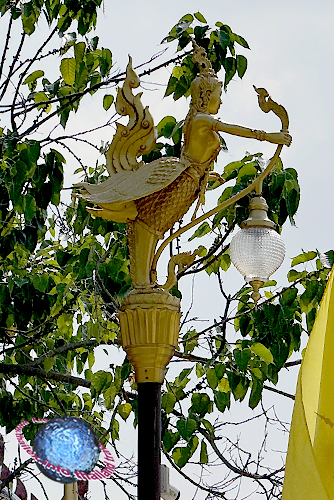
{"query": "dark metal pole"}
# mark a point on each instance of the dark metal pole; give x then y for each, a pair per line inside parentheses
(149, 440)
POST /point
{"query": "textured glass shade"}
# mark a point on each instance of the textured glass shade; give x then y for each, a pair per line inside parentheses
(257, 252)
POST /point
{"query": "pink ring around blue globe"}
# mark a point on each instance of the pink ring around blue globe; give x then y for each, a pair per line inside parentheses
(63, 474)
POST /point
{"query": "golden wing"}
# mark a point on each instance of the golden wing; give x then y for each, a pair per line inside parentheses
(138, 136)
(129, 179)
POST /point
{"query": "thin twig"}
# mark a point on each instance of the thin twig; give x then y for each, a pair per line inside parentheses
(6, 45)
(15, 473)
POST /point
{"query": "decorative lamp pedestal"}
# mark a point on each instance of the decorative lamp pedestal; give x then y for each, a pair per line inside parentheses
(150, 323)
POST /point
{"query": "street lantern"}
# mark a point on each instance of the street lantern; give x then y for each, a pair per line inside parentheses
(150, 198)
(257, 250)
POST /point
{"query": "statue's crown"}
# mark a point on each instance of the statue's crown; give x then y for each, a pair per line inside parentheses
(201, 59)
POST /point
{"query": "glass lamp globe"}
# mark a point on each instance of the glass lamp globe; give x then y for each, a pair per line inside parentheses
(257, 250)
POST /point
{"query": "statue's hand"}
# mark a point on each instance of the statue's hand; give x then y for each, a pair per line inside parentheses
(279, 138)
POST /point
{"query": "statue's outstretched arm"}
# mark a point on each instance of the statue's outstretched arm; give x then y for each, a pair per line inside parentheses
(275, 137)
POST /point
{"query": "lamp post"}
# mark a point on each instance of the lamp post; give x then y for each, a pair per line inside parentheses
(150, 198)
(149, 322)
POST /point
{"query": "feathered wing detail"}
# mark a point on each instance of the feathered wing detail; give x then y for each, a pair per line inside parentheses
(128, 182)
(127, 186)
(138, 136)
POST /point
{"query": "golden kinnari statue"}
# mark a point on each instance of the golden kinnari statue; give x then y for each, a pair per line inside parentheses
(151, 197)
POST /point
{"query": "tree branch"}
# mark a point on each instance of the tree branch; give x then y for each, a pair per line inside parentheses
(74, 97)
(282, 393)
(198, 485)
(15, 473)
(6, 45)
(233, 468)
(6, 82)
(61, 349)
(11, 369)
(23, 74)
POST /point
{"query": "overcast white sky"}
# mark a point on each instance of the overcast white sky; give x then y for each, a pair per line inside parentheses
(292, 57)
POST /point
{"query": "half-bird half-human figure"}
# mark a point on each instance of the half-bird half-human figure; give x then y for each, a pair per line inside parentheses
(151, 197)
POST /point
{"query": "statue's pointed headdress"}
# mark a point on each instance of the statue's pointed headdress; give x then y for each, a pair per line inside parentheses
(201, 59)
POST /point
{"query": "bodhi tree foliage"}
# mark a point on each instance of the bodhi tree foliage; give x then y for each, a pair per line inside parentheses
(63, 273)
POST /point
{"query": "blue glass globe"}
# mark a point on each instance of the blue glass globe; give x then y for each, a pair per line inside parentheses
(69, 443)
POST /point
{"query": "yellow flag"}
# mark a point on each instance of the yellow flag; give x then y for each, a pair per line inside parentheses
(309, 473)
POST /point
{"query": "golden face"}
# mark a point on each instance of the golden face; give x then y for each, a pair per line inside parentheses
(215, 101)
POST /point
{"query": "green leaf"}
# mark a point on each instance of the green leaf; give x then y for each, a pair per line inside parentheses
(29, 207)
(204, 453)
(200, 17)
(211, 377)
(245, 324)
(242, 357)
(79, 51)
(188, 18)
(222, 400)
(105, 61)
(241, 41)
(190, 341)
(40, 281)
(125, 371)
(168, 401)
(170, 439)
(42, 97)
(181, 456)
(108, 99)
(289, 295)
(224, 38)
(330, 257)
(220, 369)
(171, 86)
(255, 395)
(263, 352)
(199, 370)
(294, 275)
(224, 385)
(208, 426)
(240, 391)
(67, 69)
(193, 444)
(109, 396)
(186, 428)
(248, 170)
(241, 65)
(100, 380)
(230, 68)
(257, 373)
(185, 372)
(201, 231)
(64, 321)
(48, 363)
(115, 429)
(166, 126)
(124, 410)
(91, 359)
(303, 257)
(200, 403)
(33, 76)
